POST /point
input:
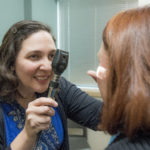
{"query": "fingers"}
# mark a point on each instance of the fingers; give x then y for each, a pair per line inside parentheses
(38, 115)
(45, 110)
(99, 74)
(38, 120)
(92, 74)
(44, 101)
(41, 107)
(34, 124)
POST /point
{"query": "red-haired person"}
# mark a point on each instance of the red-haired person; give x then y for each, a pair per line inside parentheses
(123, 78)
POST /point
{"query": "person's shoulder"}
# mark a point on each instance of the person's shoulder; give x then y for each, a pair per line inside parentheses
(64, 83)
(63, 80)
(140, 143)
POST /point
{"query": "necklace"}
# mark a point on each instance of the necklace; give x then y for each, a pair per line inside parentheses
(19, 95)
(24, 101)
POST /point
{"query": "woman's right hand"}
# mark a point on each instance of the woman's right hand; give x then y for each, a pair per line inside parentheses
(38, 115)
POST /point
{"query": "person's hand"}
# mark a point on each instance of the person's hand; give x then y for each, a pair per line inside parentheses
(100, 74)
(100, 77)
(38, 115)
(92, 73)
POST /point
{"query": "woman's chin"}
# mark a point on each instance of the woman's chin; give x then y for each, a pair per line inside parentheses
(41, 90)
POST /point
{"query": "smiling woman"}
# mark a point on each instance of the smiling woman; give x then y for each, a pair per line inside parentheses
(33, 63)
(26, 55)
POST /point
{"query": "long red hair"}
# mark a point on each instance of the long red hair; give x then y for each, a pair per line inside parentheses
(126, 38)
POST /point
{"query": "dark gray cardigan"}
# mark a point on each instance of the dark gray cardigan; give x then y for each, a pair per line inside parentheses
(137, 143)
(74, 104)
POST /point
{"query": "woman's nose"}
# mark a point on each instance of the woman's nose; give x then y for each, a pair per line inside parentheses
(46, 65)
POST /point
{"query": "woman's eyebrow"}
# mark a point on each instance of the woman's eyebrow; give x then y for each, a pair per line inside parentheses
(39, 51)
(53, 50)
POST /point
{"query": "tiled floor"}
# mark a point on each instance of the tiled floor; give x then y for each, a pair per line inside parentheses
(78, 143)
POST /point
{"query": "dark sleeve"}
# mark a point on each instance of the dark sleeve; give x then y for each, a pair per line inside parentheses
(139, 143)
(79, 106)
(2, 132)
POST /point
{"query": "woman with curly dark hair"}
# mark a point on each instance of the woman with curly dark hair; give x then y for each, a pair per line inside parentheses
(26, 55)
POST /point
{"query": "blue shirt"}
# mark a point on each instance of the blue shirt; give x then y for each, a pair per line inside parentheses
(113, 137)
(14, 117)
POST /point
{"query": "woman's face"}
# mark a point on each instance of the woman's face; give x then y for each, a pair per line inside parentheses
(33, 63)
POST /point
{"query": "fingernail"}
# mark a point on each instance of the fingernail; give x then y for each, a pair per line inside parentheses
(56, 103)
(100, 69)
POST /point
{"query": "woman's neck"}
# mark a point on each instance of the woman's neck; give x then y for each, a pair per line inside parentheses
(24, 101)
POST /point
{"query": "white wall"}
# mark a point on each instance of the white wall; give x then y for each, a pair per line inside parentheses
(143, 2)
(81, 26)
(97, 140)
(11, 11)
(45, 11)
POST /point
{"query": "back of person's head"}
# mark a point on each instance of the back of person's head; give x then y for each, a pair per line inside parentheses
(126, 38)
(11, 45)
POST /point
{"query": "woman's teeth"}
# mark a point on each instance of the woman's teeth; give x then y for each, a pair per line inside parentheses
(42, 78)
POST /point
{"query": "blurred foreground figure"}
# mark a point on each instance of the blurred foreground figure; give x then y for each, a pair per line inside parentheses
(124, 79)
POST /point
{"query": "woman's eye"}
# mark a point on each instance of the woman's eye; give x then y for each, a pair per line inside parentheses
(51, 56)
(34, 57)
